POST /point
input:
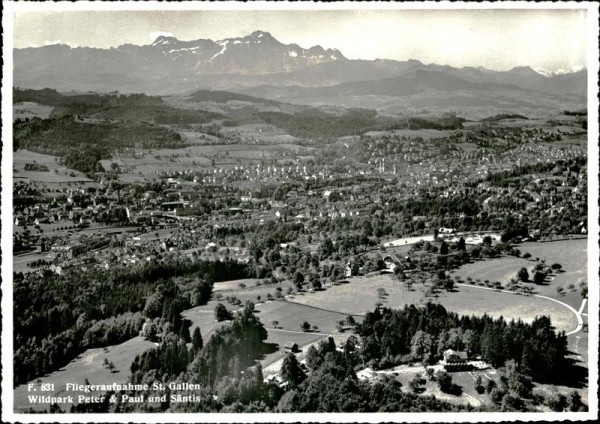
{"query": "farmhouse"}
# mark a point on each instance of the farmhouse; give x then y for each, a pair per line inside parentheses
(366, 374)
(455, 361)
(444, 230)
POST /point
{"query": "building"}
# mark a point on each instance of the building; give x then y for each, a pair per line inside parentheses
(446, 230)
(455, 361)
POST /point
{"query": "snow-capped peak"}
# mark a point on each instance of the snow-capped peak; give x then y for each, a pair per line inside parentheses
(163, 40)
(543, 72)
(571, 70)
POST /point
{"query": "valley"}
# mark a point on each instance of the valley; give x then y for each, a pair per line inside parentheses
(283, 229)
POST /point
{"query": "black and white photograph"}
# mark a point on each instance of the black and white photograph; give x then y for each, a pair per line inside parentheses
(299, 211)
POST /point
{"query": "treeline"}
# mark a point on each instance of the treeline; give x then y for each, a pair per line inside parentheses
(392, 337)
(502, 179)
(317, 125)
(121, 107)
(228, 380)
(226, 96)
(52, 313)
(502, 116)
(220, 365)
(575, 112)
(35, 167)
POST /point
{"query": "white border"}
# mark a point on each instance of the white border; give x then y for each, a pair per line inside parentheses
(6, 214)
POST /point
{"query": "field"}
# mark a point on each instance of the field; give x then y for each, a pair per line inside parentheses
(25, 110)
(500, 269)
(360, 296)
(263, 132)
(56, 173)
(287, 314)
(88, 365)
(572, 255)
(20, 262)
(200, 157)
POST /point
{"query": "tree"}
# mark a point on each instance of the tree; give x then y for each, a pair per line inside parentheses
(461, 244)
(479, 385)
(291, 371)
(197, 341)
(490, 385)
(449, 284)
(416, 383)
(444, 248)
(275, 323)
(313, 359)
(487, 241)
(523, 274)
(583, 289)
(305, 326)
(539, 277)
(298, 279)
(422, 346)
(557, 402)
(556, 267)
(574, 401)
(221, 313)
(350, 320)
(316, 284)
(444, 381)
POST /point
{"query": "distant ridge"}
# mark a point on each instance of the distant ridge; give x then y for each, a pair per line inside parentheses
(259, 64)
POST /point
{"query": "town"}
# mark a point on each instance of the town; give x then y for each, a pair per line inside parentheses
(293, 258)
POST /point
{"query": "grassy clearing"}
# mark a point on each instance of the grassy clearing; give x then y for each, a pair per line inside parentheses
(28, 110)
(360, 296)
(291, 314)
(500, 269)
(572, 255)
(88, 365)
(288, 315)
(20, 262)
(204, 318)
(56, 172)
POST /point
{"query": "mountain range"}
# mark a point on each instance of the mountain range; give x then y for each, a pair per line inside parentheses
(258, 64)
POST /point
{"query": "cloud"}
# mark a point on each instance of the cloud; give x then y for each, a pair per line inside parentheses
(154, 35)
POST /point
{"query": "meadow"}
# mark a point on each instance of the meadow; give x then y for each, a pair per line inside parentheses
(89, 366)
(28, 110)
(360, 295)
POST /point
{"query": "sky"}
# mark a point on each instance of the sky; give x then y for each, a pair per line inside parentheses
(499, 39)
